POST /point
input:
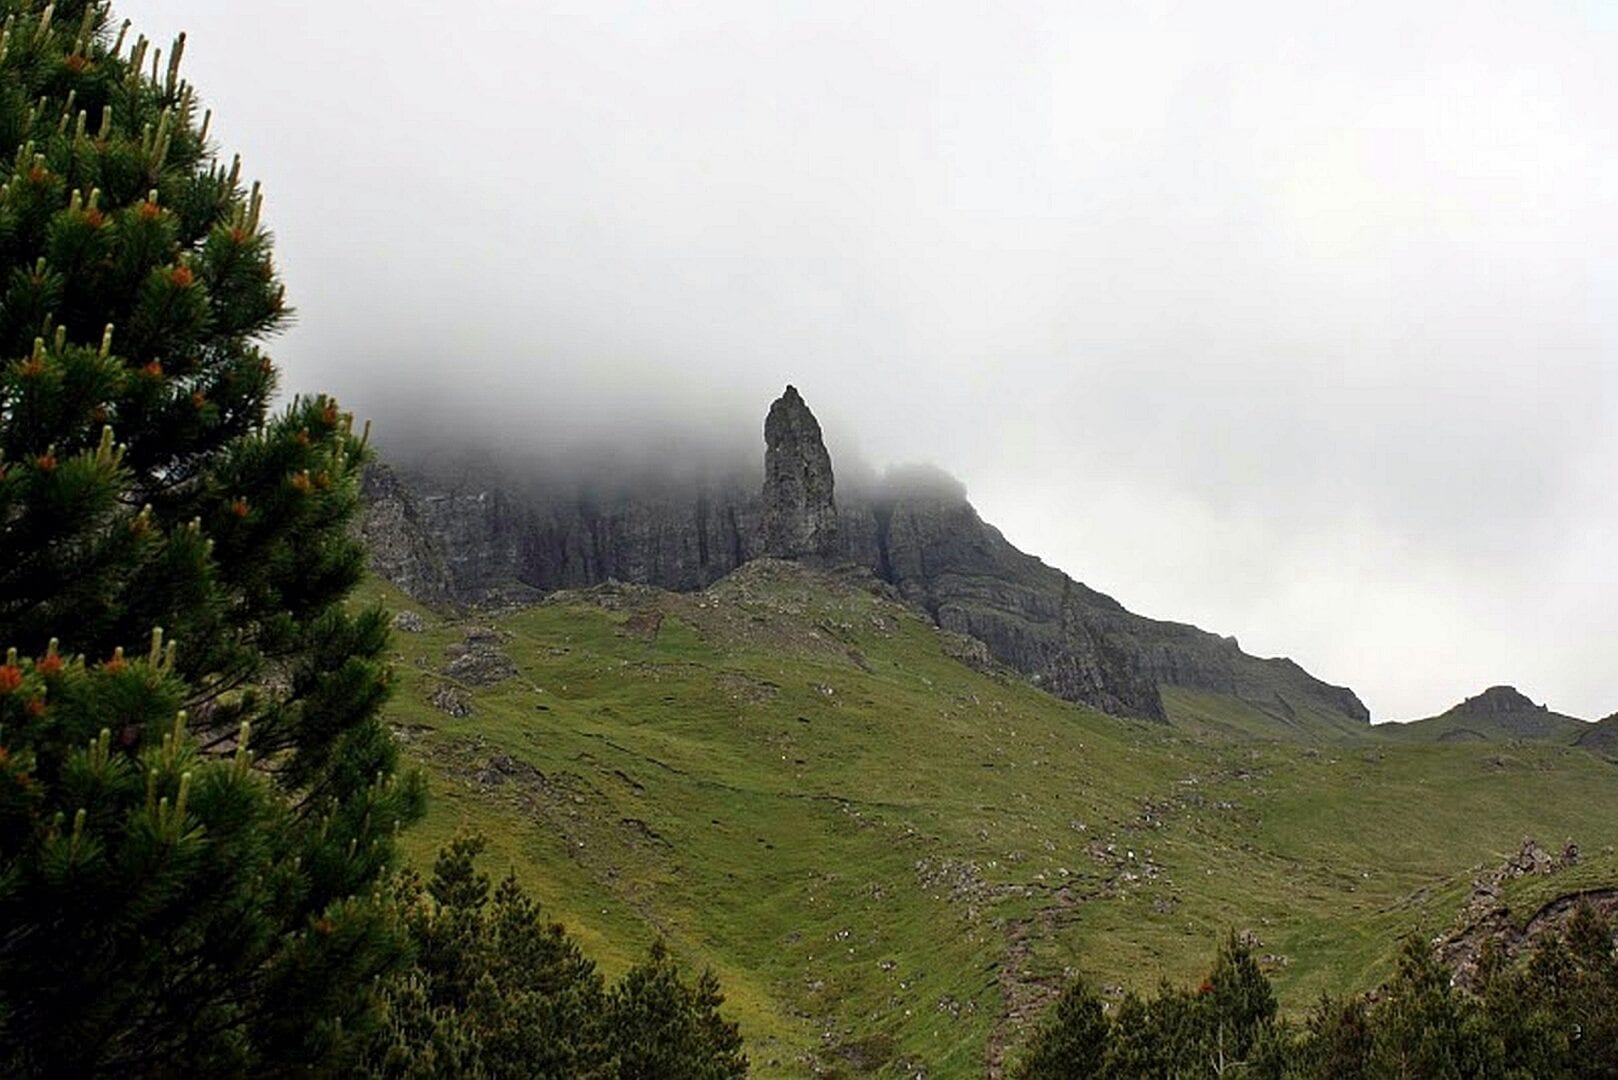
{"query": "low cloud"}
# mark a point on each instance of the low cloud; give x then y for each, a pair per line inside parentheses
(1294, 323)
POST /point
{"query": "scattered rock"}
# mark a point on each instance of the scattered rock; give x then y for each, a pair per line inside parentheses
(409, 622)
(501, 768)
(452, 700)
(968, 650)
(1484, 917)
(643, 625)
(409, 732)
(477, 662)
(1533, 859)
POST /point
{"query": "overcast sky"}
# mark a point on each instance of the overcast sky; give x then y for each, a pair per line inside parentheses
(1293, 321)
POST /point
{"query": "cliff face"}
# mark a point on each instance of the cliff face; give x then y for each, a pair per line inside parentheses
(944, 558)
(917, 533)
(404, 547)
(682, 541)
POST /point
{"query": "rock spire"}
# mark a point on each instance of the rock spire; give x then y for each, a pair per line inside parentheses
(800, 516)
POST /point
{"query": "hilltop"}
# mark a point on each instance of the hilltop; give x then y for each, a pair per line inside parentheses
(1498, 713)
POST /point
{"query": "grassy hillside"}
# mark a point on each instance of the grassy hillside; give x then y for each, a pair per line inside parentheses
(1222, 717)
(891, 851)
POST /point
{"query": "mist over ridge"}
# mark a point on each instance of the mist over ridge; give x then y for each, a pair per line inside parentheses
(1290, 324)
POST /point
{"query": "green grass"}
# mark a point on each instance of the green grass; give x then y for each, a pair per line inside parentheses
(792, 782)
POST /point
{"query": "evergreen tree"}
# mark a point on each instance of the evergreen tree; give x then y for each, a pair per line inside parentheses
(202, 889)
(1240, 1004)
(1423, 1028)
(1590, 1026)
(658, 1027)
(498, 991)
(1552, 1014)
(1072, 1042)
(1336, 1041)
(1158, 1036)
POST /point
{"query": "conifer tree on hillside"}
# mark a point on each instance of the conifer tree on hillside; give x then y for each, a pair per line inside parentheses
(498, 991)
(197, 799)
(1072, 1041)
(1551, 1012)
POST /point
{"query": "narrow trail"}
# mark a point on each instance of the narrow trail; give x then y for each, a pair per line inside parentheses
(1025, 995)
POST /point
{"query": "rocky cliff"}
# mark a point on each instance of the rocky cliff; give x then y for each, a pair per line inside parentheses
(916, 531)
(404, 546)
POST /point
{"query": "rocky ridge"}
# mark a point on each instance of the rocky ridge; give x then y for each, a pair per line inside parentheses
(485, 543)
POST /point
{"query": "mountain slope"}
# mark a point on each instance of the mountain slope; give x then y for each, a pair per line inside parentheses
(1500, 713)
(891, 848)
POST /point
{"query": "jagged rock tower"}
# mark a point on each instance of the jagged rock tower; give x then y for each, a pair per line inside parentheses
(800, 516)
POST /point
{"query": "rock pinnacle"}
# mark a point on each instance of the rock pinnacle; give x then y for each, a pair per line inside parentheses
(800, 516)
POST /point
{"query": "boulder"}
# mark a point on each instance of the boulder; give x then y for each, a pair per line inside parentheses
(409, 622)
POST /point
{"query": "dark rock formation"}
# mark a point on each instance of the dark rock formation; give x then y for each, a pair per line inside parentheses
(681, 540)
(409, 622)
(800, 517)
(452, 700)
(915, 530)
(442, 545)
(1078, 643)
(942, 557)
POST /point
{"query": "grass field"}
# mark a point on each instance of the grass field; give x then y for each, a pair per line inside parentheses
(891, 858)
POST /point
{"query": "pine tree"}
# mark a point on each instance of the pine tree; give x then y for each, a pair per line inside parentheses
(1337, 1040)
(197, 798)
(498, 991)
(1240, 1003)
(1423, 1027)
(657, 1026)
(1072, 1041)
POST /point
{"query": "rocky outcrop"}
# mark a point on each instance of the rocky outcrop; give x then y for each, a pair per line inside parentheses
(1500, 713)
(800, 515)
(1499, 701)
(1486, 920)
(914, 530)
(477, 660)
